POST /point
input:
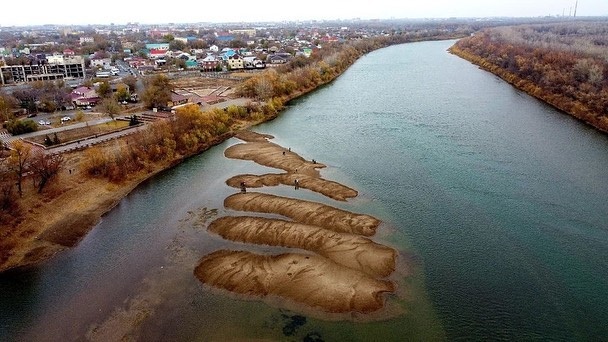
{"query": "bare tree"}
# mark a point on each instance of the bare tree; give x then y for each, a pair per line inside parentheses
(45, 167)
(19, 161)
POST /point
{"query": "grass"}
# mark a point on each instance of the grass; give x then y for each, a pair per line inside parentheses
(81, 133)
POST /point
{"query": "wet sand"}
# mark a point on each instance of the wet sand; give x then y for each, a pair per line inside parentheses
(305, 212)
(308, 279)
(349, 250)
(344, 270)
(263, 152)
(322, 186)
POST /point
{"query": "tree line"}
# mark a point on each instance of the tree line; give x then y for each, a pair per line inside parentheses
(565, 65)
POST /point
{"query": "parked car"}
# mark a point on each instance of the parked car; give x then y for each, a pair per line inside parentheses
(44, 123)
(65, 119)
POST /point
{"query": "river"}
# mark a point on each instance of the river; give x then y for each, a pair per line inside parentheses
(500, 201)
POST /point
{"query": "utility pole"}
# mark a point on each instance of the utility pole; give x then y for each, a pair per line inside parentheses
(575, 8)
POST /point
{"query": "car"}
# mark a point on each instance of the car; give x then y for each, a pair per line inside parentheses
(66, 118)
(44, 122)
(32, 115)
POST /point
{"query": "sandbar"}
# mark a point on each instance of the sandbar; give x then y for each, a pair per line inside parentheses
(308, 279)
(263, 152)
(353, 251)
(325, 187)
(305, 212)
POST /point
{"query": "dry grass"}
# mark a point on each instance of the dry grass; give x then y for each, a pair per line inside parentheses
(81, 133)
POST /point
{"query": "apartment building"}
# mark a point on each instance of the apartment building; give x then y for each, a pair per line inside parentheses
(55, 69)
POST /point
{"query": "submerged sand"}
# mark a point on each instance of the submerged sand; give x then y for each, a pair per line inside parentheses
(306, 212)
(349, 250)
(307, 279)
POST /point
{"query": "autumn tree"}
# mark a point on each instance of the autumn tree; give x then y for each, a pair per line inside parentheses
(7, 183)
(122, 93)
(45, 167)
(131, 82)
(7, 104)
(19, 162)
(109, 106)
(104, 90)
(158, 91)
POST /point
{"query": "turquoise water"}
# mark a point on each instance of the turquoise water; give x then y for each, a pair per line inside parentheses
(500, 200)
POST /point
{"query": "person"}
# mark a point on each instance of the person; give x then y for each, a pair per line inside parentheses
(314, 161)
(243, 187)
(283, 152)
(296, 183)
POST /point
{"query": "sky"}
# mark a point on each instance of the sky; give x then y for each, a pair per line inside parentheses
(69, 12)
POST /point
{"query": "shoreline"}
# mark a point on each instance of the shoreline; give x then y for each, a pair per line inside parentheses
(102, 195)
(576, 110)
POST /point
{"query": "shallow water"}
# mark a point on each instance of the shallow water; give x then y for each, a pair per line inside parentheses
(500, 200)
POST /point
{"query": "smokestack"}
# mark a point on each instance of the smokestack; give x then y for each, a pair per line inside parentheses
(575, 8)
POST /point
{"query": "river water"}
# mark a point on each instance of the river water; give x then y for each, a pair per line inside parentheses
(498, 201)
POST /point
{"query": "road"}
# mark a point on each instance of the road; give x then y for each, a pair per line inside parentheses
(8, 139)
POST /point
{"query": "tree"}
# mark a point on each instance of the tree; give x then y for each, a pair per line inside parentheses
(6, 190)
(122, 93)
(7, 104)
(110, 107)
(158, 91)
(104, 90)
(168, 38)
(131, 82)
(19, 161)
(45, 167)
(177, 45)
(16, 127)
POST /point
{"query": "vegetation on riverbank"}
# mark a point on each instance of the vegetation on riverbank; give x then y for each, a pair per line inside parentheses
(565, 64)
(91, 182)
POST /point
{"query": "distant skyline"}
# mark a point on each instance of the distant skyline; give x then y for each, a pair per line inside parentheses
(72, 12)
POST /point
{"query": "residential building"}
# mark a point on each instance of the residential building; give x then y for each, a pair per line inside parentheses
(59, 68)
(244, 32)
(253, 63)
(157, 50)
(85, 40)
(84, 96)
(209, 63)
(236, 62)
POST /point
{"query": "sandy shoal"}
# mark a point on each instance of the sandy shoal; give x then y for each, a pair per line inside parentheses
(263, 152)
(308, 279)
(349, 250)
(322, 186)
(305, 212)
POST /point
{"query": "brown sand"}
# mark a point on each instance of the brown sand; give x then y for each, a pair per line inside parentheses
(305, 212)
(349, 250)
(339, 278)
(263, 152)
(330, 189)
(308, 279)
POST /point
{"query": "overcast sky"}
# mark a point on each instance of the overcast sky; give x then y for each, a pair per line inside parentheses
(35, 12)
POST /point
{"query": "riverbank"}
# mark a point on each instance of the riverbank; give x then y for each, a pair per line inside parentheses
(578, 109)
(75, 202)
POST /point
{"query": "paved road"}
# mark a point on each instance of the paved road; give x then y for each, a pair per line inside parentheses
(94, 140)
(8, 138)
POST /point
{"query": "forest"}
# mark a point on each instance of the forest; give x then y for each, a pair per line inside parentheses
(563, 64)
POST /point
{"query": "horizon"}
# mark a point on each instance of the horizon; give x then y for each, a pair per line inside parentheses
(118, 13)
